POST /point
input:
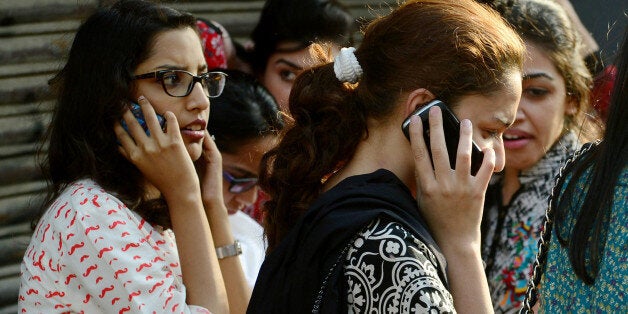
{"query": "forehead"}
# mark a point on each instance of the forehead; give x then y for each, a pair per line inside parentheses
(538, 61)
(298, 59)
(249, 155)
(498, 107)
(178, 47)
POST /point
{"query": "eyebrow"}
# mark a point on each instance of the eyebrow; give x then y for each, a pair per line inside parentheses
(202, 68)
(531, 76)
(168, 67)
(240, 172)
(288, 63)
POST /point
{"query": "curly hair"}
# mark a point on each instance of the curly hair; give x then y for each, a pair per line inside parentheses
(452, 48)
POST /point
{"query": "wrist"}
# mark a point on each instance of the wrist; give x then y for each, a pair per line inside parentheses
(457, 251)
(229, 250)
(188, 198)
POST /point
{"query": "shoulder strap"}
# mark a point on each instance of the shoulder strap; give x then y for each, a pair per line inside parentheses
(531, 295)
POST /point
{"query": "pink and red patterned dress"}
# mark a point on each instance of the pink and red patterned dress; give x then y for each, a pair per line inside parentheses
(91, 254)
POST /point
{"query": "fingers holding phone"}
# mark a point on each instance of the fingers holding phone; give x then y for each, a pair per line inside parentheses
(154, 152)
(438, 147)
(450, 197)
(450, 129)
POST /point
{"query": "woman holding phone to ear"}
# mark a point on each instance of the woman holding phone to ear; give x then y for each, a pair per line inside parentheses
(360, 220)
(106, 238)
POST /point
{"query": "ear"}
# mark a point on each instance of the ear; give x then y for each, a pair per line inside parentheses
(416, 99)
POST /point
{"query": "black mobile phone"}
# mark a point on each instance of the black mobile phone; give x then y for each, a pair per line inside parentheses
(137, 112)
(451, 128)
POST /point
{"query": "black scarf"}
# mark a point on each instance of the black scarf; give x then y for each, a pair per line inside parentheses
(292, 275)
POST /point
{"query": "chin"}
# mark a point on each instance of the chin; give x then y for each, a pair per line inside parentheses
(195, 151)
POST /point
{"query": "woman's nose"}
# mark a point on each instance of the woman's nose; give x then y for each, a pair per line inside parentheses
(197, 98)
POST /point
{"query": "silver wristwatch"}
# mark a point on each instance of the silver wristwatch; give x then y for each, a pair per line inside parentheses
(229, 250)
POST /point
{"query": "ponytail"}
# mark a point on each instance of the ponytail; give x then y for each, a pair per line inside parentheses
(328, 125)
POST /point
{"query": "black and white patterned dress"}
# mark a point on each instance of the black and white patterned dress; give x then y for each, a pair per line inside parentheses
(362, 247)
(388, 270)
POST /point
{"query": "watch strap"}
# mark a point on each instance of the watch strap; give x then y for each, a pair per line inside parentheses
(229, 250)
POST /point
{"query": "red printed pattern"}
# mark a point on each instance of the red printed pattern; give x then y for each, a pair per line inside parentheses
(90, 252)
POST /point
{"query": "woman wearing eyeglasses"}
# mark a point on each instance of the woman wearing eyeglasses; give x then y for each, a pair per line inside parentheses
(245, 121)
(106, 236)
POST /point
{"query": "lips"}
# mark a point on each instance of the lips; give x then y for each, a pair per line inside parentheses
(515, 139)
(195, 130)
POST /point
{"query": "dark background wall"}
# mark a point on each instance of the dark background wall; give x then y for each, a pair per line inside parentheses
(606, 20)
(36, 34)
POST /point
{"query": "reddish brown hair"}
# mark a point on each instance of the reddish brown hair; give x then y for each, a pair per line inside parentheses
(452, 48)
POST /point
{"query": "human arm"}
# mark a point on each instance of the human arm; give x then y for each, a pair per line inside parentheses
(452, 202)
(163, 160)
(210, 168)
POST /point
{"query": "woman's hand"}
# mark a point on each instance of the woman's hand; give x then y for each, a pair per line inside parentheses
(209, 168)
(452, 202)
(161, 157)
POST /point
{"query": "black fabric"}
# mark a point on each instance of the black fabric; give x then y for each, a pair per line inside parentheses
(292, 275)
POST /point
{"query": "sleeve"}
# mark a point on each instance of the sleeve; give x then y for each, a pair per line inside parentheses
(387, 270)
(108, 258)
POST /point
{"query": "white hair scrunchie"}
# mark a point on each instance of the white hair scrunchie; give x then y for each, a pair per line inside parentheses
(347, 67)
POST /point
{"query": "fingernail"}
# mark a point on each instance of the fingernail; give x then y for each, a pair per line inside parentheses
(434, 111)
(465, 123)
(141, 98)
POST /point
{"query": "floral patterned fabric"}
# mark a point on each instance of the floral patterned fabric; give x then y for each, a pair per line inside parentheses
(562, 291)
(331, 261)
(91, 254)
(511, 233)
(388, 270)
(213, 44)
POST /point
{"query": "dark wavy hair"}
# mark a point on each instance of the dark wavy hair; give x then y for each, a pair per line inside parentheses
(244, 112)
(452, 48)
(92, 90)
(586, 238)
(299, 21)
(547, 25)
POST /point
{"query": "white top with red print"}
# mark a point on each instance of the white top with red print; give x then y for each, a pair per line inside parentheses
(91, 254)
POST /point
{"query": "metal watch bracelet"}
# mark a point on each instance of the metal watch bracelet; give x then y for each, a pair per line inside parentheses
(229, 250)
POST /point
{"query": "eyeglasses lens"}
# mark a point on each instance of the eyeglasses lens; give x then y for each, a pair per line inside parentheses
(177, 83)
(242, 187)
(181, 83)
(239, 185)
(214, 84)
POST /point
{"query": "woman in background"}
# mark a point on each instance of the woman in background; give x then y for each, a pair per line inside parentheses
(550, 125)
(282, 37)
(245, 122)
